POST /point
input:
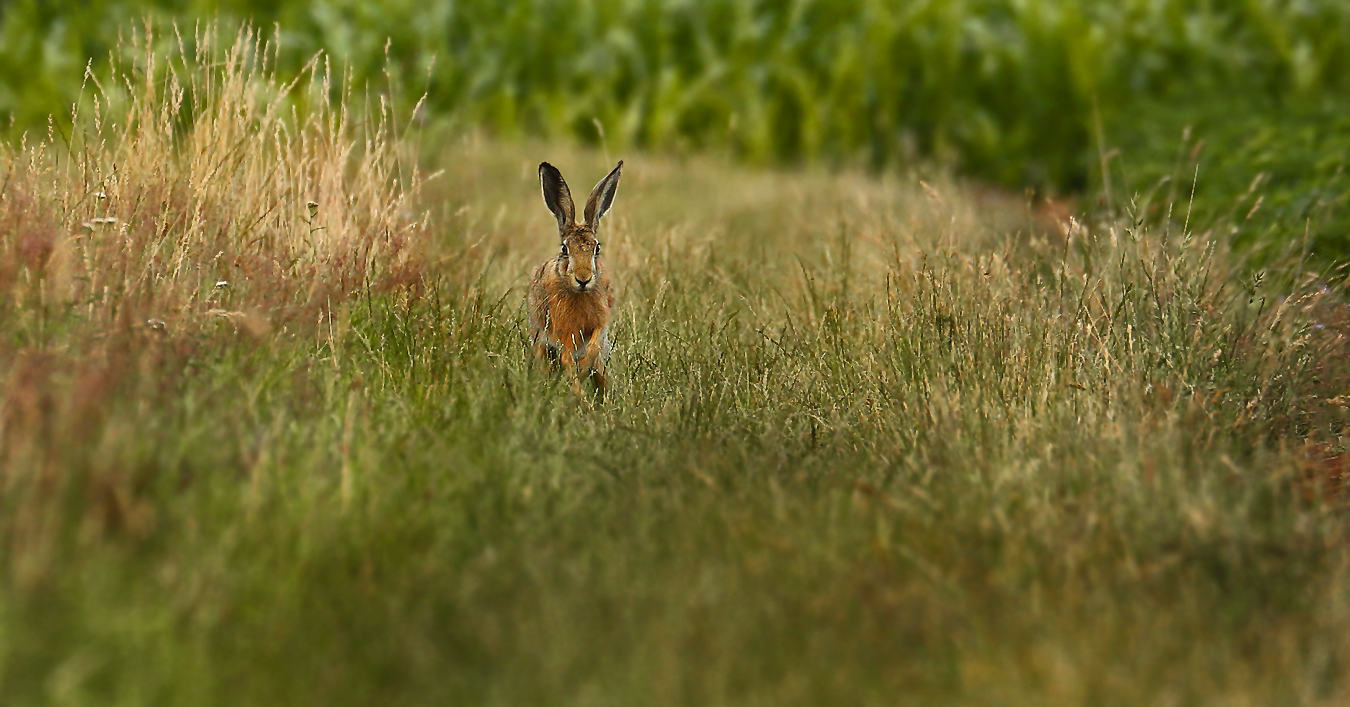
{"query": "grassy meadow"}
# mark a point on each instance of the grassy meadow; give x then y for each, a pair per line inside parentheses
(269, 432)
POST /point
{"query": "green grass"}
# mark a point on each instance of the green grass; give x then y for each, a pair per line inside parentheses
(869, 440)
(1269, 176)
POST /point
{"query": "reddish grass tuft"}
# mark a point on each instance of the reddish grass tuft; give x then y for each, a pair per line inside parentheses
(201, 200)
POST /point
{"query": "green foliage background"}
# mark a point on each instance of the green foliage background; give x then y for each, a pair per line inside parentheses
(1018, 92)
(1011, 91)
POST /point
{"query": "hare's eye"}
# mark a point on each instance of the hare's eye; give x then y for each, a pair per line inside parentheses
(564, 249)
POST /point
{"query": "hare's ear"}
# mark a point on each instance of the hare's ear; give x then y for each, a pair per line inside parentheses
(556, 195)
(602, 197)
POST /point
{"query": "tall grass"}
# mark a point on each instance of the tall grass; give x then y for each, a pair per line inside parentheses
(191, 205)
(869, 439)
(171, 195)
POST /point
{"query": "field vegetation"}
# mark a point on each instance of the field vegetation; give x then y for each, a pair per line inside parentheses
(269, 432)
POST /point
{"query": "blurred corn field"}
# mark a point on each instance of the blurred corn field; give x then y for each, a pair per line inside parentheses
(1020, 92)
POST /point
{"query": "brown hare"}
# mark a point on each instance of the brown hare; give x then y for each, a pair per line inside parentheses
(570, 300)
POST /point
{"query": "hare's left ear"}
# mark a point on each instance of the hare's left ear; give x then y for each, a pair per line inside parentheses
(602, 197)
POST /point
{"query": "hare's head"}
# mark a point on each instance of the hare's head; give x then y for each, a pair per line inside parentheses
(579, 260)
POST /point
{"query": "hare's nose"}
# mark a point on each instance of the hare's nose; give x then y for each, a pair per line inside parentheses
(582, 283)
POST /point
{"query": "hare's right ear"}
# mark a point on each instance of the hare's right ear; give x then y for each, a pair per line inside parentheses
(556, 195)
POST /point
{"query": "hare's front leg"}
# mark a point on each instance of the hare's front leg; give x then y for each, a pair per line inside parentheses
(567, 356)
(593, 363)
(601, 380)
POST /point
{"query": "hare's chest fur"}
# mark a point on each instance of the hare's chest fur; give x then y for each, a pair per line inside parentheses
(567, 321)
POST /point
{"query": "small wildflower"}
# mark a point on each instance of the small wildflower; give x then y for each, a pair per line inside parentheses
(313, 207)
(222, 283)
(155, 324)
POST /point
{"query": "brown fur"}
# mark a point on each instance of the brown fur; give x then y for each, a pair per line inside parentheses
(570, 300)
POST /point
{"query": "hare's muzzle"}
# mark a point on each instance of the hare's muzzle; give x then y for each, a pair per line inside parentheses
(582, 271)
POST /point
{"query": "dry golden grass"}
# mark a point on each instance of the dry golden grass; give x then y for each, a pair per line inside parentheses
(201, 181)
